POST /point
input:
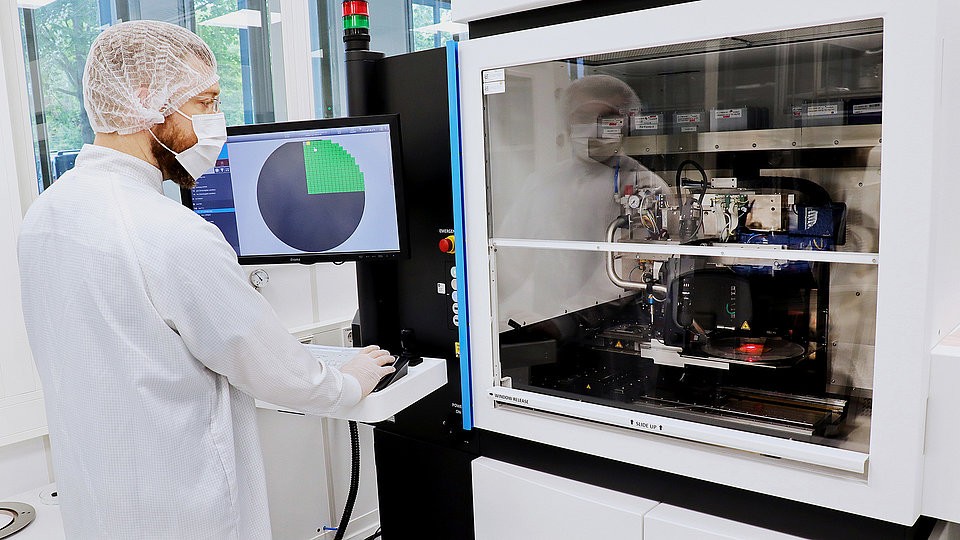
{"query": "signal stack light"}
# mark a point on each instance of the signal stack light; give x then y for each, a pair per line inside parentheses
(356, 25)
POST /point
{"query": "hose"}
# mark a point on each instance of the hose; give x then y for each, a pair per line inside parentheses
(354, 481)
(703, 176)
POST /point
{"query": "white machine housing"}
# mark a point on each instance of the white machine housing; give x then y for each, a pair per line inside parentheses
(917, 300)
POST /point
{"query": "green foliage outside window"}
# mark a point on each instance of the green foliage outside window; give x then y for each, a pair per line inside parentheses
(65, 29)
(225, 43)
(425, 15)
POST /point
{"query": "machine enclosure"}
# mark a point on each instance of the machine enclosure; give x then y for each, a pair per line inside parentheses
(898, 482)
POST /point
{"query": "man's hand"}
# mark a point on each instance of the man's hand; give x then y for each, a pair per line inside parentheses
(368, 367)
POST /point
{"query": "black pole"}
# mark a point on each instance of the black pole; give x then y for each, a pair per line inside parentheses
(360, 69)
(363, 93)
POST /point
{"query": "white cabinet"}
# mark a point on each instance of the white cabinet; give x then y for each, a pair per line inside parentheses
(515, 503)
(666, 522)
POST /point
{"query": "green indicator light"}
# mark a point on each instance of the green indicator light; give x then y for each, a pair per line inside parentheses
(356, 21)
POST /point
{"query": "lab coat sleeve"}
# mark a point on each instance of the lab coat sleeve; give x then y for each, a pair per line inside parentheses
(200, 291)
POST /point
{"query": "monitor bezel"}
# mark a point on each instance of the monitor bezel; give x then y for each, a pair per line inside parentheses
(393, 120)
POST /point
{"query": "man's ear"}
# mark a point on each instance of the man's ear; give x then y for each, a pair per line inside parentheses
(143, 94)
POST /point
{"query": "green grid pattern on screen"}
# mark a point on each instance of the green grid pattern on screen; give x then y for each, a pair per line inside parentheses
(330, 168)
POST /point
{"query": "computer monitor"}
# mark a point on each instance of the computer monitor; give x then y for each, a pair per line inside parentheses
(305, 192)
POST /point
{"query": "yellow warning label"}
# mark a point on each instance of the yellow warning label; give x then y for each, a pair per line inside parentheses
(457, 347)
(588, 387)
(745, 326)
(619, 345)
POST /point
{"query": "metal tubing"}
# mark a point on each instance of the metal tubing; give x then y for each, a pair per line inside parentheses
(612, 272)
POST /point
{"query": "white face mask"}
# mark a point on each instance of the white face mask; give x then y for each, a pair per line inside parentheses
(211, 131)
(588, 147)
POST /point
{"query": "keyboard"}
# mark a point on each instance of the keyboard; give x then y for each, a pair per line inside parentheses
(332, 356)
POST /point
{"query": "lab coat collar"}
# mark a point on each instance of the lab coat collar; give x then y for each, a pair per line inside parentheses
(116, 163)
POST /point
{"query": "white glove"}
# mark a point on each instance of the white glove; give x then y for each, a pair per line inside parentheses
(368, 367)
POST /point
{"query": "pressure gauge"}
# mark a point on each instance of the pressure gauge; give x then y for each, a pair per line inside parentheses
(259, 278)
(633, 201)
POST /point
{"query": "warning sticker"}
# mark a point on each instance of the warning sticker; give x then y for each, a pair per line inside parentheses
(646, 121)
(496, 87)
(727, 113)
(867, 108)
(494, 75)
(822, 110)
(745, 326)
(688, 118)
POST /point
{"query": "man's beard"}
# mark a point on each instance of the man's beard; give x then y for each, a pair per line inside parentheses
(166, 161)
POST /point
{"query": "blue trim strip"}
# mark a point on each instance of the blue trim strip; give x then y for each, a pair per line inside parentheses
(453, 98)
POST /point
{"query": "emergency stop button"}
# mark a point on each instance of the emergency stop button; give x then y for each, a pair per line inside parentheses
(447, 245)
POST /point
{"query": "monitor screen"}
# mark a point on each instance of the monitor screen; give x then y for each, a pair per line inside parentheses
(321, 190)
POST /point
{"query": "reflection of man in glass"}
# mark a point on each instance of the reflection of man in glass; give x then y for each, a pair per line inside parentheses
(576, 199)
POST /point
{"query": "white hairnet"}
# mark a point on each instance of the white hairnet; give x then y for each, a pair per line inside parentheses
(601, 91)
(139, 72)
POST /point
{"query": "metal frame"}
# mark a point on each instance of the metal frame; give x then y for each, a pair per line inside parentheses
(456, 174)
(40, 122)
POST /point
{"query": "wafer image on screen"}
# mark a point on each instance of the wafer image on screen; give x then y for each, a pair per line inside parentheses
(314, 183)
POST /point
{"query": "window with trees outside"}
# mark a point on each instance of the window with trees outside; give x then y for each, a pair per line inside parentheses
(245, 35)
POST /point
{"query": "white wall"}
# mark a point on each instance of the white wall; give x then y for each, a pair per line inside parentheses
(24, 466)
(24, 460)
(320, 294)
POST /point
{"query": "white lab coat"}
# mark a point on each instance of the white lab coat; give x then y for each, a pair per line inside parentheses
(150, 343)
(571, 200)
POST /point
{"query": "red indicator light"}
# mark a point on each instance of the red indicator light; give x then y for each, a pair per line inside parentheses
(356, 7)
(751, 348)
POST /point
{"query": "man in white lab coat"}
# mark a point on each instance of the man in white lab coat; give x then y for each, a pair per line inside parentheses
(150, 344)
(572, 199)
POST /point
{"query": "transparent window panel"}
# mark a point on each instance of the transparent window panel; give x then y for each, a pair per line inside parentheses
(770, 138)
(777, 347)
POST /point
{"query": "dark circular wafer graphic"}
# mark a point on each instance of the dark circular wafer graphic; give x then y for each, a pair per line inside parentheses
(310, 216)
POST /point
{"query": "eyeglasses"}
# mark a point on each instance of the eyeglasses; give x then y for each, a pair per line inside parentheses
(210, 104)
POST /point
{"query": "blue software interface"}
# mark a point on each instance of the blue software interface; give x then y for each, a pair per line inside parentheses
(310, 191)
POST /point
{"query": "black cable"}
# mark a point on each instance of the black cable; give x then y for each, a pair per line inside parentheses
(354, 481)
(374, 535)
(703, 192)
(703, 175)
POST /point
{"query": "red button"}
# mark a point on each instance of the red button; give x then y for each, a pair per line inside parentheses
(447, 245)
